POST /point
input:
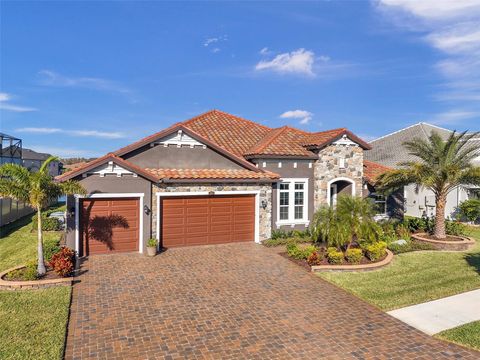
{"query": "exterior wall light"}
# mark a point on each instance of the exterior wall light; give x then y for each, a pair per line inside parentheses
(264, 204)
(146, 210)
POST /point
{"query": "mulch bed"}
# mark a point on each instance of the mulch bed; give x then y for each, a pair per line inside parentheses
(303, 263)
(49, 275)
(448, 238)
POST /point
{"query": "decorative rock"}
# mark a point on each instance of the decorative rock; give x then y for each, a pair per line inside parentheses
(400, 242)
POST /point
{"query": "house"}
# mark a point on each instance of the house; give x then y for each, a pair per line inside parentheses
(389, 151)
(33, 160)
(215, 178)
(12, 151)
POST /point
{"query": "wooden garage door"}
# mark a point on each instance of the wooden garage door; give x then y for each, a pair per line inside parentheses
(109, 225)
(200, 220)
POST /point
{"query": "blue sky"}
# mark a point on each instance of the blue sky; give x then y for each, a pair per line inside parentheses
(82, 79)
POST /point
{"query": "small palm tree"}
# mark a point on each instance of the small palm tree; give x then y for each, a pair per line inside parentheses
(37, 189)
(441, 167)
(351, 220)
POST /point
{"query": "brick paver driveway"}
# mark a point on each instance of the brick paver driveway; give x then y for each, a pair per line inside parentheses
(230, 302)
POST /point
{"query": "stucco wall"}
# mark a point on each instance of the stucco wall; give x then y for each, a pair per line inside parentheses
(327, 168)
(265, 195)
(173, 157)
(112, 184)
(288, 170)
(419, 199)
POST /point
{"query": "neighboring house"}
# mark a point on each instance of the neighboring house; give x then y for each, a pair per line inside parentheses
(389, 151)
(11, 151)
(33, 160)
(215, 178)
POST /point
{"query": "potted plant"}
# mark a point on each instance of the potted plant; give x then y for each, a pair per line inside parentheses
(152, 247)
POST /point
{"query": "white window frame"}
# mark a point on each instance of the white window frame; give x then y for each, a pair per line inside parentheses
(103, 196)
(291, 203)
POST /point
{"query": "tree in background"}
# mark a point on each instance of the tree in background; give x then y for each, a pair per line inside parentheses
(442, 165)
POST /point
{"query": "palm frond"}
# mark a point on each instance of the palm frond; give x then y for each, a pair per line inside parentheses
(72, 187)
(16, 173)
(10, 189)
(44, 168)
(471, 176)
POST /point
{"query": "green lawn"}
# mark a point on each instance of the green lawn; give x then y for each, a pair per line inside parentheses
(468, 334)
(32, 323)
(415, 277)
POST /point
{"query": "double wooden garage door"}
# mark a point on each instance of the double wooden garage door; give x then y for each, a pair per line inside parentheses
(200, 220)
(112, 225)
(109, 225)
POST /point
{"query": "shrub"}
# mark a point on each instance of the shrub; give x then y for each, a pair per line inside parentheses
(403, 232)
(286, 234)
(334, 256)
(294, 251)
(50, 247)
(48, 224)
(376, 251)
(285, 241)
(152, 242)
(62, 262)
(388, 232)
(470, 209)
(314, 259)
(354, 255)
(455, 228)
(409, 246)
(28, 273)
(414, 224)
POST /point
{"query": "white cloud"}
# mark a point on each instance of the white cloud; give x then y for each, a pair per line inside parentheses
(5, 105)
(302, 115)
(80, 133)
(52, 78)
(63, 152)
(453, 28)
(435, 9)
(264, 51)
(296, 62)
(215, 41)
(453, 117)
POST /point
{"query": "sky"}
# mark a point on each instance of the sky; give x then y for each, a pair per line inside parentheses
(86, 78)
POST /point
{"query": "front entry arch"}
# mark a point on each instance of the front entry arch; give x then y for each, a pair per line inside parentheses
(339, 186)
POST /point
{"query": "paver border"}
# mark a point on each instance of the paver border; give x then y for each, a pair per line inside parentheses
(465, 242)
(32, 284)
(360, 267)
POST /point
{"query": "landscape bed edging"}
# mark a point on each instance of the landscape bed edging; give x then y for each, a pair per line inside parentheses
(463, 244)
(358, 267)
(29, 285)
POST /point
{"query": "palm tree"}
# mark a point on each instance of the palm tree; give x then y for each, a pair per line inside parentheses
(350, 221)
(37, 189)
(441, 167)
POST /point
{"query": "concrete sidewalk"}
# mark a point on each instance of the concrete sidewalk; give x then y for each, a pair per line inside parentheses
(438, 315)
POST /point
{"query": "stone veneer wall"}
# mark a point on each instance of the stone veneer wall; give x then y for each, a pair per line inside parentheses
(327, 168)
(265, 194)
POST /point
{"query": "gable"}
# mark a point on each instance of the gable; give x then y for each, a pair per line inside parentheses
(173, 154)
(109, 168)
(345, 140)
(179, 139)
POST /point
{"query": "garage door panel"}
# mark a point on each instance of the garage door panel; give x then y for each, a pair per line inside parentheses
(109, 225)
(207, 220)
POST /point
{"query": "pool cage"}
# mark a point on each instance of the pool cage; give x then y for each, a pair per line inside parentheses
(10, 149)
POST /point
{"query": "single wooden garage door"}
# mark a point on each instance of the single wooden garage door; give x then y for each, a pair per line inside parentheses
(109, 225)
(200, 220)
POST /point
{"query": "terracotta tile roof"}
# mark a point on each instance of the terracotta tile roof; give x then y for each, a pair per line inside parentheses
(372, 170)
(231, 132)
(284, 141)
(210, 174)
(102, 160)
